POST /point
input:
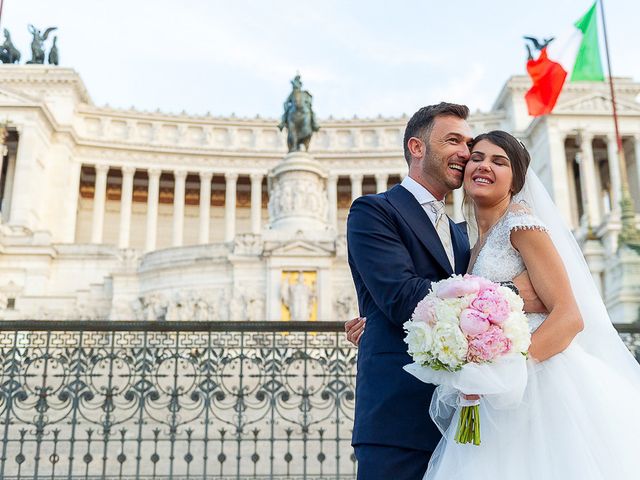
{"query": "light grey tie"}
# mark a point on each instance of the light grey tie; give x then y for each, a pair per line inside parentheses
(442, 227)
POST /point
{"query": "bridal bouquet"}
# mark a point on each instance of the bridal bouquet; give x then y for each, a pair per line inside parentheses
(470, 334)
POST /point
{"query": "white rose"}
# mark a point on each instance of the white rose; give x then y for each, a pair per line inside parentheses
(515, 302)
(449, 344)
(516, 329)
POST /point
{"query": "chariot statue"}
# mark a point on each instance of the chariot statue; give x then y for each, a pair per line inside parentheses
(37, 44)
(8, 52)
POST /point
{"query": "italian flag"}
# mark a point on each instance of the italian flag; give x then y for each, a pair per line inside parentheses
(575, 54)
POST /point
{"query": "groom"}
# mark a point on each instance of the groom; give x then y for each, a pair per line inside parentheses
(399, 242)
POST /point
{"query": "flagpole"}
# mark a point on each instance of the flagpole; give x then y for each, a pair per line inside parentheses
(629, 234)
(1, 3)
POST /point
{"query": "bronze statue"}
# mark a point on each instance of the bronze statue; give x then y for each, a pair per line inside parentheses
(8, 52)
(298, 117)
(53, 53)
(37, 50)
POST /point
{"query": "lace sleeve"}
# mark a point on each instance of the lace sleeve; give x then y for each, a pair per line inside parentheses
(520, 217)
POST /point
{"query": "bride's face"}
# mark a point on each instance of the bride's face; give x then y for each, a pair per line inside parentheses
(488, 175)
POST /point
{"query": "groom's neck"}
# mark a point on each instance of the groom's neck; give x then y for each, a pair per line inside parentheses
(439, 191)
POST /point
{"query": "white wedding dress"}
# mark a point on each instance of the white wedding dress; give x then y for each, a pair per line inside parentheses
(579, 418)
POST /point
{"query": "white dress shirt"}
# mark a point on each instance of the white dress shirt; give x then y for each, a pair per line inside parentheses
(424, 197)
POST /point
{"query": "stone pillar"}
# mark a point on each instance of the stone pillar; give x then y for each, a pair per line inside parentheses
(74, 184)
(99, 198)
(590, 197)
(560, 180)
(458, 196)
(153, 191)
(256, 203)
(332, 193)
(179, 177)
(381, 182)
(614, 173)
(205, 207)
(636, 144)
(230, 206)
(356, 185)
(126, 198)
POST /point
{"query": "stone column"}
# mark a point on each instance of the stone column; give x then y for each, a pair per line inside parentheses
(179, 177)
(636, 144)
(126, 198)
(230, 206)
(205, 206)
(590, 196)
(356, 185)
(153, 191)
(458, 196)
(99, 198)
(614, 173)
(256, 203)
(560, 180)
(381, 182)
(75, 171)
(332, 193)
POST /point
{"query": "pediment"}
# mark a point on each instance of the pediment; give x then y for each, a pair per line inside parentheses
(597, 104)
(9, 97)
(299, 248)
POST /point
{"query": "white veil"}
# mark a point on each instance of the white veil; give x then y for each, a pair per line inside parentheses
(599, 338)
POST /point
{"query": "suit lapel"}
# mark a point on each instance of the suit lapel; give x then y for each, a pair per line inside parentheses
(409, 208)
(460, 242)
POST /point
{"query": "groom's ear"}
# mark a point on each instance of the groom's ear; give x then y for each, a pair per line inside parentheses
(416, 147)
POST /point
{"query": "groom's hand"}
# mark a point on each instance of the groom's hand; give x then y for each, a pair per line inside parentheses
(354, 329)
(532, 304)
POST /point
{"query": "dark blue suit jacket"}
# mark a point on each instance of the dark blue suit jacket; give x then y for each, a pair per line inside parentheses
(394, 254)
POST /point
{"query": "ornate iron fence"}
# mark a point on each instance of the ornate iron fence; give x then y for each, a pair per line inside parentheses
(179, 400)
(156, 400)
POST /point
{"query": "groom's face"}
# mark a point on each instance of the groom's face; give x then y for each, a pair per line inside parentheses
(447, 153)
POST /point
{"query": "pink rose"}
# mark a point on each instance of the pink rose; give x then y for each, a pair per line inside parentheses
(493, 305)
(457, 287)
(473, 322)
(488, 345)
(425, 311)
(483, 283)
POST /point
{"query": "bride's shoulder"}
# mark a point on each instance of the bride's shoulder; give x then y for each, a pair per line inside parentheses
(520, 216)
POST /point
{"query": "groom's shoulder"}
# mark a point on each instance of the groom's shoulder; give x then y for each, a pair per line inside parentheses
(381, 199)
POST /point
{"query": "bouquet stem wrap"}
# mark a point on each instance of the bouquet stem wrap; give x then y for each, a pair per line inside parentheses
(500, 383)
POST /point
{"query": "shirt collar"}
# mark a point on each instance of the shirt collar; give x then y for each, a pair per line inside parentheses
(421, 194)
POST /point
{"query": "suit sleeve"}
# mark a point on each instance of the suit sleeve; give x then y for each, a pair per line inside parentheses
(383, 261)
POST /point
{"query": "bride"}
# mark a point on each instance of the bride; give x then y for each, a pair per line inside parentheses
(579, 416)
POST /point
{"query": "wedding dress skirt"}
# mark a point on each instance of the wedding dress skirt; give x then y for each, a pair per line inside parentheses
(579, 420)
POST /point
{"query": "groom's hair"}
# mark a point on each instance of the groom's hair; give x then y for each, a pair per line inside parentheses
(421, 123)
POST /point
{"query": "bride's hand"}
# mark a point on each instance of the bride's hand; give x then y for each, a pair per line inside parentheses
(532, 304)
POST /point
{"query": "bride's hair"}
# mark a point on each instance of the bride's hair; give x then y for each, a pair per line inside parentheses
(519, 158)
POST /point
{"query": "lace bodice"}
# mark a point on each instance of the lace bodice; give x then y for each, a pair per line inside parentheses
(497, 260)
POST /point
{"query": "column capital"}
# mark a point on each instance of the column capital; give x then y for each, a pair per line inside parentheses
(206, 176)
(231, 176)
(585, 137)
(356, 177)
(256, 177)
(333, 177)
(611, 138)
(381, 176)
(101, 168)
(180, 174)
(154, 172)
(128, 170)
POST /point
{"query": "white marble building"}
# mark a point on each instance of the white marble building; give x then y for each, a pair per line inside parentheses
(123, 214)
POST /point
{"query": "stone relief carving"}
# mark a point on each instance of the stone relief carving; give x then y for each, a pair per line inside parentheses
(300, 196)
(247, 244)
(345, 305)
